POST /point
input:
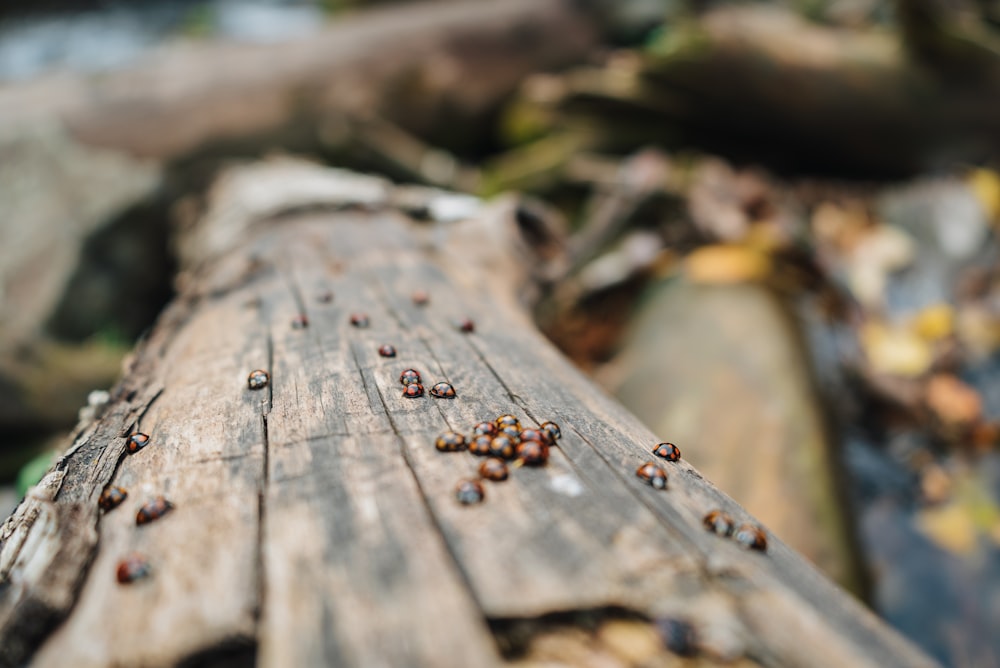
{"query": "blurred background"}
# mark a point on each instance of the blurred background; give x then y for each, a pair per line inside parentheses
(782, 228)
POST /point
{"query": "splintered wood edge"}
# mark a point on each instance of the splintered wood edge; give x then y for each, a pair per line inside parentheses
(316, 524)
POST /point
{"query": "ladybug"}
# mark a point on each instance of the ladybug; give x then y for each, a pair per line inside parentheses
(466, 325)
(513, 432)
(751, 537)
(719, 522)
(443, 391)
(153, 510)
(532, 434)
(668, 451)
(409, 376)
(111, 497)
(258, 379)
(480, 445)
(552, 429)
(502, 446)
(324, 297)
(359, 320)
(469, 492)
(651, 474)
(450, 441)
(507, 420)
(678, 636)
(487, 428)
(388, 351)
(131, 568)
(300, 322)
(413, 390)
(493, 469)
(420, 298)
(136, 442)
(533, 453)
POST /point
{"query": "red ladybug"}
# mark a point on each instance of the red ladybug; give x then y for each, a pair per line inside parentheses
(450, 441)
(469, 492)
(466, 325)
(111, 497)
(751, 537)
(136, 442)
(258, 379)
(493, 469)
(668, 451)
(487, 428)
(153, 510)
(131, 568)
(359, 320)
(413, 390)
(719, 522)
(651, 474)
(480, 445)
(533, 453)
(409, 376)
(443, 391)
(502, 446)
(387, 351)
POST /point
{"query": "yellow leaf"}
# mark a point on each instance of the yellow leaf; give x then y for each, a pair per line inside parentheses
(722, 264)
(895, 351)
(949, 527)
(935, 322)
(985, 185)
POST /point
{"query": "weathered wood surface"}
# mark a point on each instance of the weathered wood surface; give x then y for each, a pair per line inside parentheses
(315, 523)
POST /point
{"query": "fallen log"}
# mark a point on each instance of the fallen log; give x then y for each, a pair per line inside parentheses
(314, 522)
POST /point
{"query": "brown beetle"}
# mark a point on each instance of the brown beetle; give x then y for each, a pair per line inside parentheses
(387, 351)
(668, 451)
(533, 453)
(480, 444)
(111, 497)
(751, 537)
(493, 469)
(469, 492)
(258, 379)
(413, 390)
(136, 442)
(359, 320)
(131, 568)
(719, 522)
(532, 434)
(487, 428)
(450, 441)
(153, 510)
(502, 446)
(443, 391)
(409, 376)
(651, 474)
(507, 420)
(552, 429)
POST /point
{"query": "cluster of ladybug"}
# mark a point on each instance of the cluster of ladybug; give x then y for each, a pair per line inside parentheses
(412, 388)
(500, 441)
(134, 566)
(747, 535)
(652, 473)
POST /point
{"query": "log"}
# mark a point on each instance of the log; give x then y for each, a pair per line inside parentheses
(315, 523)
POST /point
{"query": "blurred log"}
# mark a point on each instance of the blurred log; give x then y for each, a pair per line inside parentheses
(315, 524)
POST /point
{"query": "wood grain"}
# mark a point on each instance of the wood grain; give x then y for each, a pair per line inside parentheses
(316, 524)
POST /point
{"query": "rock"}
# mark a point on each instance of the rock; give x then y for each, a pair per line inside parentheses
(719, 371)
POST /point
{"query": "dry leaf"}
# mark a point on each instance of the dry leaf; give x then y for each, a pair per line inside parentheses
(895, 351)
(722, 264)
(953, 402)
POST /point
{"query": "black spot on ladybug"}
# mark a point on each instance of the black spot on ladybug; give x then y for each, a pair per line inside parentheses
(413, 390)
(507, 420)
(502, 446)
(553, 430)
(719, 522)
(443, 391)
(493, 469)
(751, 537)
(111, 497)
(533, 453)
(420, 298)
(131, 568)
(668, 451)
(258, 379)
(487, 428)
(136, 442)
(480, 445)
(388, 351)
(450, 441)
(359, 320)
(300, 322)
(651, 474)
(469, 492)
(409, 376)
(153, 510)
(678, 636)
(466, 325)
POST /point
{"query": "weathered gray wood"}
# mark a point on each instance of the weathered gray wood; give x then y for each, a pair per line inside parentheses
(315, 521)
